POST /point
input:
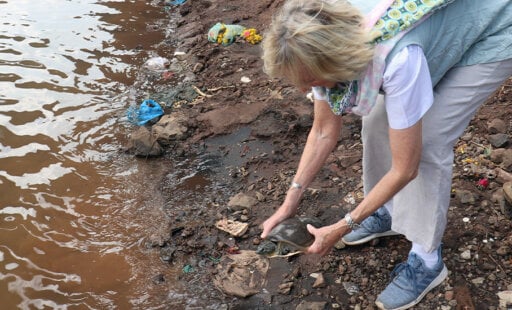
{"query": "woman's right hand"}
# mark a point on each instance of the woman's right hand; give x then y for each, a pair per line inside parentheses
(271, 222)
(285, 211)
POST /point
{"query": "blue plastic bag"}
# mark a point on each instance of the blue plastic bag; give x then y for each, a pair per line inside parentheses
(148, 110)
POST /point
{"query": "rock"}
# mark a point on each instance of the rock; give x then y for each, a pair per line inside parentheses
(339, 245)
(242, 274)
(143, 144)
(242, 201)
(285, 288)
(497, 126)
(466, 255)
(507, 191)
(498, 140)
(505, 299)
(503, 176)
(170, 127)
(498, 197)
(320, 281)
(502, 156)
(311, 305)
(466, 197)
(503, 250)
(448, 295)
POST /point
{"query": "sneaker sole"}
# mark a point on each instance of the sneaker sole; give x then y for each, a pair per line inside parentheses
(438, 280)
(370, 237)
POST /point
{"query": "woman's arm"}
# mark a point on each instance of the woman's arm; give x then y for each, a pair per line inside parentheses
(406, 152)
(321, 140)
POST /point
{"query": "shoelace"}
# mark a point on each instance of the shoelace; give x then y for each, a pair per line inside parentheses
(409, 273)
(375, 223)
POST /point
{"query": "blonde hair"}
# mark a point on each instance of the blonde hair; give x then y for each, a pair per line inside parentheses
(325, 40)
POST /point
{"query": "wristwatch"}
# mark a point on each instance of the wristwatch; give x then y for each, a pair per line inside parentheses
(350, 222)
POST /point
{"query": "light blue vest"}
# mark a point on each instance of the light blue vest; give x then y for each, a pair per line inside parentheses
(465, 32)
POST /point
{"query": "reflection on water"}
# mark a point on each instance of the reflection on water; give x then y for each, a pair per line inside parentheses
(72, 209)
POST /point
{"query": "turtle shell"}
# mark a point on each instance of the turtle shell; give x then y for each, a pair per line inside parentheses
(293, 231)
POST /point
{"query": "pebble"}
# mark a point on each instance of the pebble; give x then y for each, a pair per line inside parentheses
(498, 140)
(503, 250)
(505, 298)
(448, 295)
(466, 254)
(320, 281)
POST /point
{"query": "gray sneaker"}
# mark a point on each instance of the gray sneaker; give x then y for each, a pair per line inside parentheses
(411, 281)
(376, 225)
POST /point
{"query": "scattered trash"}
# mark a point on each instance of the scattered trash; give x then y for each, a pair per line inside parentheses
(232, 227)
(188, 269)
(156, 63)
(245, 79)
(482, 183)
(251, 35)
(241, 275)
(148, 110)
(167, 75)
(227, 34)
(351, 288)
(175, 2)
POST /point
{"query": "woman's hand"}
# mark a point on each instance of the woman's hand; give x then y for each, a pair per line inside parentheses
(271, 222)
(326, 237)
(280, 215)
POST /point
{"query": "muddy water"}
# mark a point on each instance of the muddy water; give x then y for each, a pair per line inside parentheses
(74, 211)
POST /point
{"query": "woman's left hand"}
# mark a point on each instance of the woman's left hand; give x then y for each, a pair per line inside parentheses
(325, 238)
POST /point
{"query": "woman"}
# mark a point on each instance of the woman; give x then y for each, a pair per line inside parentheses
(416, 71)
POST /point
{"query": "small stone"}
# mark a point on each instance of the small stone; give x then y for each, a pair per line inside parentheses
(507, 191)
(503, 250)
(498, 140)
(505, 299)
(320, 281)
(242, 201)
(479, 280)
(448, 295)
(497, 126)
(466, 197)
(466, 255)
(285, 288)
(339, 245)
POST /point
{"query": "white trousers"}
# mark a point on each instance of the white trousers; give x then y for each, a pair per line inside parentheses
(419, 210)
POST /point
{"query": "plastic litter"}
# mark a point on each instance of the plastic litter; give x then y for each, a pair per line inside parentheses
(148, 110)
(176, 2)
(227, 34)
(156, 63)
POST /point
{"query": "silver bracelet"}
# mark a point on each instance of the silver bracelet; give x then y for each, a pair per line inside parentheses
(350, 221)
(295, 185)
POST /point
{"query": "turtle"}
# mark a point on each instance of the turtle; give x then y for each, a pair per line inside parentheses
(290, 237)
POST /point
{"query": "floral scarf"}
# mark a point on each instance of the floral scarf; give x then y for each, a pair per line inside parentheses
(387, 23)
